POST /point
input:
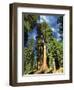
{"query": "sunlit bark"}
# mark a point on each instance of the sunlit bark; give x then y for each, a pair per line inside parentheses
(44, 66)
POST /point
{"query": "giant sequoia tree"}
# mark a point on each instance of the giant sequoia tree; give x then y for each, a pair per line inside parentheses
(44, 36)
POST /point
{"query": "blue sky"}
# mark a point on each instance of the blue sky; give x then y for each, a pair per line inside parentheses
(52, 22)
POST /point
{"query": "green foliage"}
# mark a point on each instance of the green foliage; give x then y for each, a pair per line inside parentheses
(55, 50)
(31, 43)
(29, 57)
(29, 22)
(28, 60)
(45, 31)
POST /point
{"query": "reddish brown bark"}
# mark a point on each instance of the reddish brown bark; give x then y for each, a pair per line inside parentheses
(44, 66)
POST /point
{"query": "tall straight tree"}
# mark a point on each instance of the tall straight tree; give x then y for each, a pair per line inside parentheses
(45, 34)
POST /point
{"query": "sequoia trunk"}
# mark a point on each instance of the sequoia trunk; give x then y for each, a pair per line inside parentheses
(44, 64)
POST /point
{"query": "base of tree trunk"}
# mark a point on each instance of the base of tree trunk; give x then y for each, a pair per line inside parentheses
(43, 69)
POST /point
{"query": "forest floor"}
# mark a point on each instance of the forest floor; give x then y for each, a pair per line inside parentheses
(51, 70)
